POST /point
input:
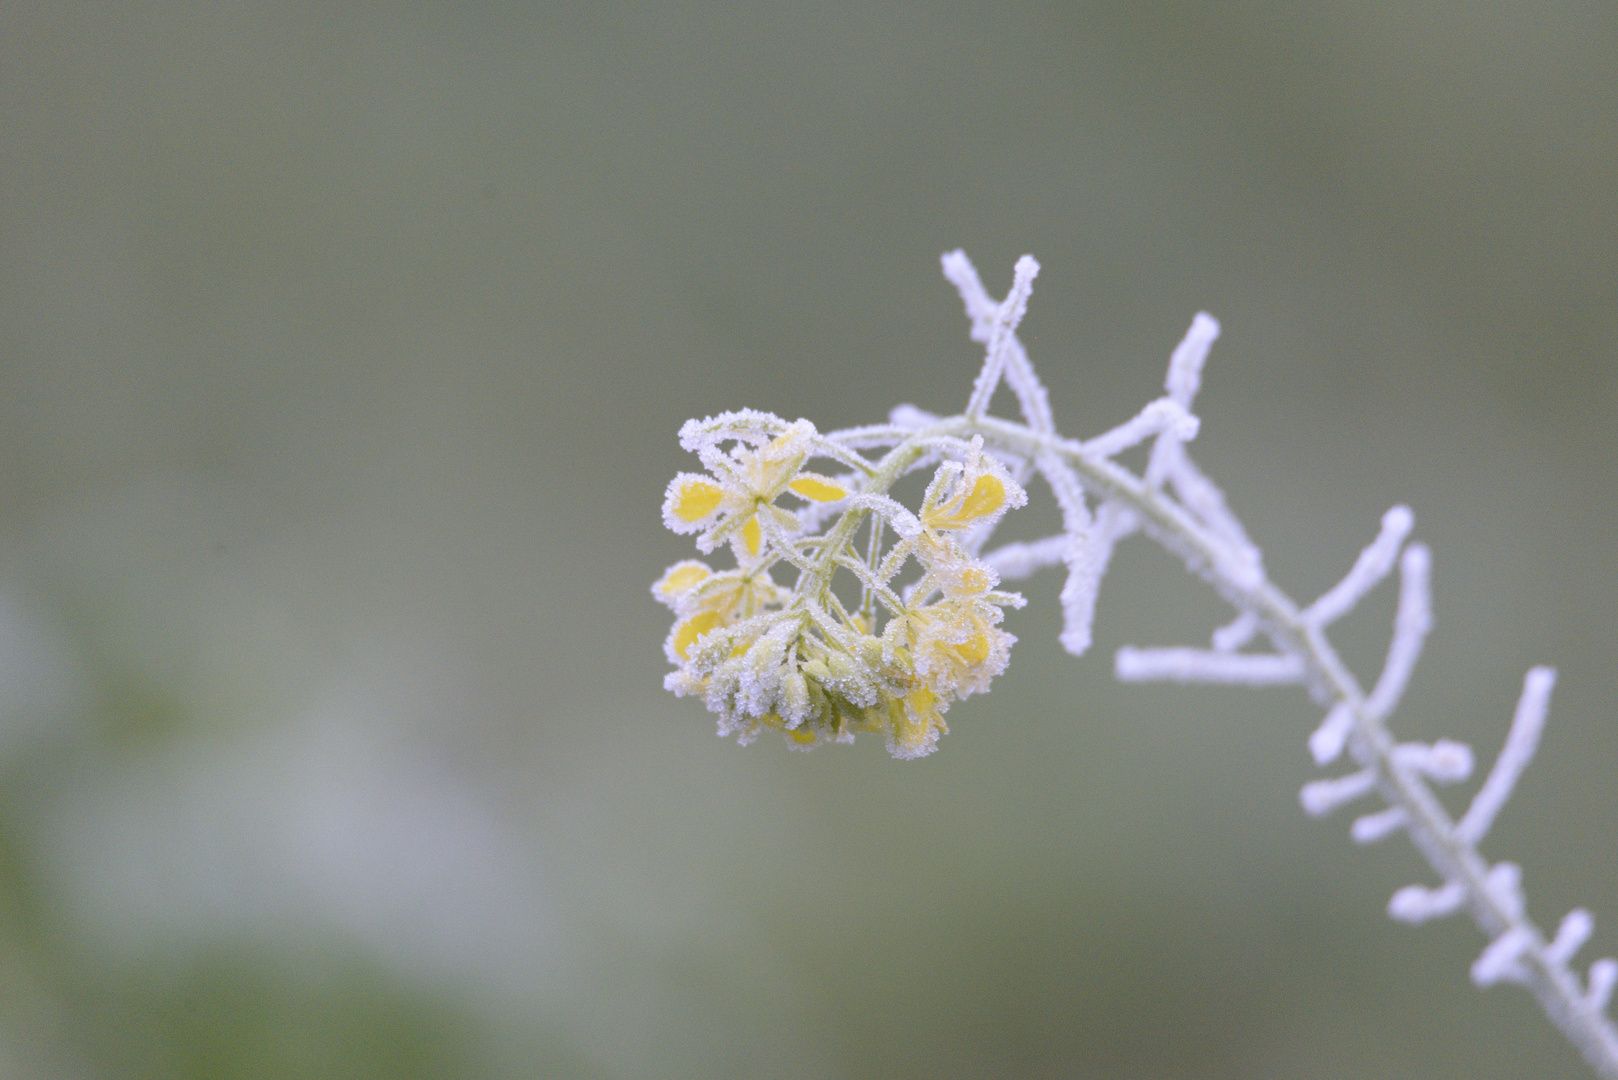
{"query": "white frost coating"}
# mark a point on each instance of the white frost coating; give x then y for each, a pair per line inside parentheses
(1162, 415)
(911, 418)
(1369, 828)
(1002, 334)
(1185, 366)
(896, 514)
(1603, 977)
(1373, 564)
(1444, 762)
(1504, 882)
(1571, 934)
(1321, 797)
(1236, 633)
(1416, 904)
(1068, 492)
(1182, 382)
(1410, 625)
(1019, 370)
(1326, 744)
(1521, 742)
(1203, 666)
(1500, 959)
(1014, 562)
(959, 272)
(1240, 557)
(1088, 554)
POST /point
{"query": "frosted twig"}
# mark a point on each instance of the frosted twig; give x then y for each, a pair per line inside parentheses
(1162, 415)
(1410, 625)
(1013, 562)
(1185, 365)
(1199, 528)
(1326, 744)
(910, 418)
(1368, 570)
(1031, 397)
(1088, 555)
(1320, 797)
(1504, 885)
(1068, 492)
(1571, 934)
(1603, 977)
(1203, 666)
(1500, 958)
(1369, 828)
(1418, 904)
(1523, 739)
(1444, 762)
(1236, 633)
(1239, 556)
(1002, 333)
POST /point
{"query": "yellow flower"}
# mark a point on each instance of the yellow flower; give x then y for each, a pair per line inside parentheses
(965, 495)
(957, 647)
(954, 646)
(729, 503)
(913, 723)
(704, 600)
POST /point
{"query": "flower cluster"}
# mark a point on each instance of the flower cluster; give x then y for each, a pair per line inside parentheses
(799, 659)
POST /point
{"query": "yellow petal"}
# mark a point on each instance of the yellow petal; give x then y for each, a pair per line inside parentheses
(974, 579)
(915, 723)
(803, 735)
(922, 700)
(812, 488)
(686, 634)
(975, 649)
(680, 577)
(697, 500)
(986, 496)
(752, 536)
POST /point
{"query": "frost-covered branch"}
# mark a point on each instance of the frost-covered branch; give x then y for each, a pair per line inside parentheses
(1201, 530)
(767, 655)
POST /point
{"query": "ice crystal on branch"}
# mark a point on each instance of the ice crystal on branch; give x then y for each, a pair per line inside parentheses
(770, 643)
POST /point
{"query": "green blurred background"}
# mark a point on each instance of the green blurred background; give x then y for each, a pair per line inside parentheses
(342, 350)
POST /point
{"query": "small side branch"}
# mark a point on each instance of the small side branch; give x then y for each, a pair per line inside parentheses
(1203, 666)
(1369, 569)
(1526, 725)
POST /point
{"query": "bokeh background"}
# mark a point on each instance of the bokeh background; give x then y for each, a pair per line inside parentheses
(342, 350)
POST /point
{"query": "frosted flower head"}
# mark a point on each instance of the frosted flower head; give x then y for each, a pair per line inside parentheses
(765, 656)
